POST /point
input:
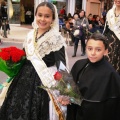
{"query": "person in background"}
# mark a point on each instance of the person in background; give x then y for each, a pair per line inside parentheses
(22, 14)
(99, 26)
(112, 32)
(61, 22)
(45, 48)
(91, 23)
(90, 16)
(83, 25)
(28, 15)
(76, 25)
(100, 90)
(63, 12)
(7, 27)
(69, 29)
(69, 15)
(4, 17)
(75, 17)
(4, 31)
(104, 15)
(94, 17)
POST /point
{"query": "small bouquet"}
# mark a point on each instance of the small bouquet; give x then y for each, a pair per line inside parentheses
(66, 86)
(11, 60)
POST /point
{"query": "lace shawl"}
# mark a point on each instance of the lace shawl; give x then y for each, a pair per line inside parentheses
(113, 21)
(51, 41)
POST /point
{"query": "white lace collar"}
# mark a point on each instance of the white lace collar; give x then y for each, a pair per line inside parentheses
(51, 41)
(114, 22)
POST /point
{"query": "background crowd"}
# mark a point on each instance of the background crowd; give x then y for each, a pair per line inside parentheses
(85, 25)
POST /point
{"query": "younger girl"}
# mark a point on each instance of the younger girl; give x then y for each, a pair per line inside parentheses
(45, 48)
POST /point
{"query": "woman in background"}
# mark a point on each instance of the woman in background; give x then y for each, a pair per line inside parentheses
(83, 25)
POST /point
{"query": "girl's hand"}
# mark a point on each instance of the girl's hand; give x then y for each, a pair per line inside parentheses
(64, 100)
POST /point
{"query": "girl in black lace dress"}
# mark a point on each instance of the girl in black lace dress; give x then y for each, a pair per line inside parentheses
(45, 48)
(112, 32)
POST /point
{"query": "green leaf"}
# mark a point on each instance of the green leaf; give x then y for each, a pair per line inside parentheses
(10, 70)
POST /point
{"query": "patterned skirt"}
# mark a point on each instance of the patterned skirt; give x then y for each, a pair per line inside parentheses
(24, 99)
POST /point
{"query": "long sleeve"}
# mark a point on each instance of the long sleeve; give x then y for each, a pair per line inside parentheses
(60, 56)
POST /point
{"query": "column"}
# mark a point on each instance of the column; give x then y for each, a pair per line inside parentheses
(84, 5)
(70, 6)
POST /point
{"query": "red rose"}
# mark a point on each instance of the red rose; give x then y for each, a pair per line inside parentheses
(15, 57)
(12, 54)
(5, 55)
(58, 76)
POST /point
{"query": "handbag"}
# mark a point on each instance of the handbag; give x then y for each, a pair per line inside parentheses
(76, 32)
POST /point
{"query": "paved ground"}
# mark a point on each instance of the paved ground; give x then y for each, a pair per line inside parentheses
(17, 33)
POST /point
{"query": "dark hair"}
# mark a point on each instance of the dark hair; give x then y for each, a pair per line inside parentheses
(49, 5)
(64, 6)
(83, 11)
(89, 15)
(75, 14)
(100, 37)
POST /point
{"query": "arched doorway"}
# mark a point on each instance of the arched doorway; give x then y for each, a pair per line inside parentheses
(79, 4)
(20, 7)
(28, 11)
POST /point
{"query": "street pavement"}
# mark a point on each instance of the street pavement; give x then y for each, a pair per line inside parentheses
(18, 34)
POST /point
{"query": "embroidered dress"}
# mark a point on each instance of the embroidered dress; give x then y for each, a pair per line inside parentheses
(112, 31)
(25, 101)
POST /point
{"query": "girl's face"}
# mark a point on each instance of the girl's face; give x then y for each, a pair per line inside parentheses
(81, 13)
(44, 18)
(95, 50)
(117, 2)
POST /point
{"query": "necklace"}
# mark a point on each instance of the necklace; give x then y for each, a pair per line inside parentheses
(35, 37)
(117, 13)
(34, 43)
(36, 33)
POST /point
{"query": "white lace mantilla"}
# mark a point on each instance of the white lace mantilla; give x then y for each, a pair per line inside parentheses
(51, 41)
(114, 22)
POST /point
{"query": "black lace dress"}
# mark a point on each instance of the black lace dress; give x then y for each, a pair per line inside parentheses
(25, 100)
(113, 49)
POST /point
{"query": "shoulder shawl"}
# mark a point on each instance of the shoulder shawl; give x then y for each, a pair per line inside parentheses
(51, 41)
(113, 22)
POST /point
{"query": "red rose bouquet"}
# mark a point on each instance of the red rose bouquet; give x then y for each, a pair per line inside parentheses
(11, 60)
(66, 86)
